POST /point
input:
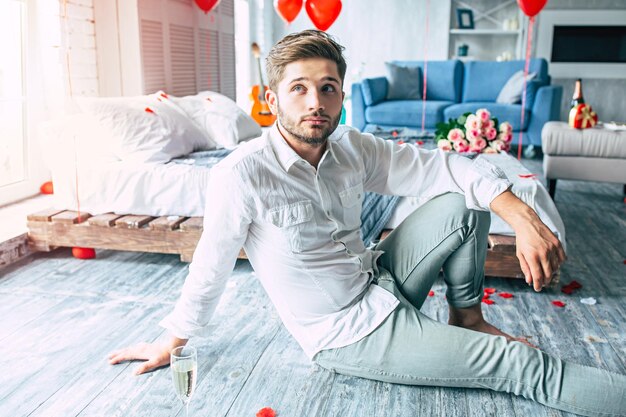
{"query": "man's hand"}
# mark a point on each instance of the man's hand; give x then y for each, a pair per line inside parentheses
(155, 354)
(539, 251)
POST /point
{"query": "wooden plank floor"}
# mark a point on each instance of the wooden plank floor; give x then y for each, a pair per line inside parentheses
(60, 317)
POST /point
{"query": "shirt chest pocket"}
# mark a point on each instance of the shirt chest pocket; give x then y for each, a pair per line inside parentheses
(351, 203)
(295, 222)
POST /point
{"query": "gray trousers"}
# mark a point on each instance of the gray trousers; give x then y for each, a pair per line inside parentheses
(411, 348)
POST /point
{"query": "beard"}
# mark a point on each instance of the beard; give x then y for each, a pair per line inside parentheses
(315, 135)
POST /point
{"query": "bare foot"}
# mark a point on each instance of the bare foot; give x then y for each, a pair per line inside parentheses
(472, 318)
(488, 328)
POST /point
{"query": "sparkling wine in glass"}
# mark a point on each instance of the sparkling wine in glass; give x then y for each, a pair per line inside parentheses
(184, 364)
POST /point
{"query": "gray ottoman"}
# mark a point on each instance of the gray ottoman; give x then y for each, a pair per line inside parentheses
(595, 154)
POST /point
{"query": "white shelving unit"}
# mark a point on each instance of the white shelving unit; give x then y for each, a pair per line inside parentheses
(488, 39)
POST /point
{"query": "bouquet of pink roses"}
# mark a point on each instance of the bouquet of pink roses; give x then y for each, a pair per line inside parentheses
(474, 133)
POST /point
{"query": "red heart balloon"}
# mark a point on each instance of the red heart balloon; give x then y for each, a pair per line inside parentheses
(207, 5)
(288, 9)
(531, 7)
(83, 253)
(323, 13)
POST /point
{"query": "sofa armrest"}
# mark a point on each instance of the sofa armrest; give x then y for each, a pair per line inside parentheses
(546, 107)
(358, 107)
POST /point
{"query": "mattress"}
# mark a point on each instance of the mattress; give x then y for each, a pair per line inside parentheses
(179, 188)
(153, 189)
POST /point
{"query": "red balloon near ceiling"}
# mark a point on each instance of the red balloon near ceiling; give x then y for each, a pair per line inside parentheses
(288, 9)
(323, 13)
(531, 7)
(207, 5)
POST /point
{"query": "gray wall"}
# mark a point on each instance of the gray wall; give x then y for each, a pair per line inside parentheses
(606, 96)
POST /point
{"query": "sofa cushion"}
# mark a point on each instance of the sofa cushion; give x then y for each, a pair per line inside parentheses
(406, 113)
(404, 83)
(374, 90)
(503, 112)
(483, 80)
(512, 91)
(444, 78)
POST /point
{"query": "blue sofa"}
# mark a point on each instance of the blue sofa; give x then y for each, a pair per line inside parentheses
(455, 88)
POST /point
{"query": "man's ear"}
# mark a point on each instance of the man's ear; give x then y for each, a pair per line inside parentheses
(272, 100)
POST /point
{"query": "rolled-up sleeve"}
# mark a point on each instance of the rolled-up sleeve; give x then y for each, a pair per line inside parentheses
(225, 228)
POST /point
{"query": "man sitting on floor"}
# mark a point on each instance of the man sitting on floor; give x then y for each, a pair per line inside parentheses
(292, 198)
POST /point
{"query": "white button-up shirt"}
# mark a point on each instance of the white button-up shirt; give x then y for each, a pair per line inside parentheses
(300, 229)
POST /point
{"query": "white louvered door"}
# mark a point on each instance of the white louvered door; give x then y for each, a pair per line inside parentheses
(184, 50)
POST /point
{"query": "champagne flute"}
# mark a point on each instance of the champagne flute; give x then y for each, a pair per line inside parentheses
(184, 364)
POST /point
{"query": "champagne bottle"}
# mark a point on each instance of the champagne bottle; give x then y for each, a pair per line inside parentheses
(577, 98)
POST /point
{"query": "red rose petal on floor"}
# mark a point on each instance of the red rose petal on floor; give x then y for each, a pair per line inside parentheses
(421, 142)
(575, 285)
(489, 290)
(625, 259)
(266, 412)
(558, 303)
(488, 301)
(431, 293)
(567, 290)
(400, 142)
(505, 295)
(394, 134)
(149, 110)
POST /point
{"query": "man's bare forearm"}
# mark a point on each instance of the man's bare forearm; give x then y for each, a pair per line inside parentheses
(539, 251)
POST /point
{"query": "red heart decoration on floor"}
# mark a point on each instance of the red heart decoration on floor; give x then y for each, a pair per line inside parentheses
(323, 13)
(47, 188)
(288, 9)
(83, 253)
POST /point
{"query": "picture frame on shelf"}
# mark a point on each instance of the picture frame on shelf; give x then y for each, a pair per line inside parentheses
(465, 18)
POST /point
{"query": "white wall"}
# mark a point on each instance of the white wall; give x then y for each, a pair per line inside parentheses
(375, 31)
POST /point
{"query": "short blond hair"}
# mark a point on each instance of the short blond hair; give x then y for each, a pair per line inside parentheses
(306, 44)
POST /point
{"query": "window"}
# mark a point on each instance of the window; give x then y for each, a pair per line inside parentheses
(13, 139)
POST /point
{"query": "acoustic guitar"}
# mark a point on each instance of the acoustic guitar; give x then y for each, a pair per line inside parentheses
(260, 110)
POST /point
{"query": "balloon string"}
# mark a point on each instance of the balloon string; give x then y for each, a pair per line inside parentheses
(529, 40)
(208, 55)
(425, 88)
(71, 95)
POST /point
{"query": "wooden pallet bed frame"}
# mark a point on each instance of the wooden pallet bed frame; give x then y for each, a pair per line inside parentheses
(50, 229)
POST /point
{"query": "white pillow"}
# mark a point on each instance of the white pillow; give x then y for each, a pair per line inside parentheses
(224, 121)
(77, 136)
(146, 128)
(511, 93)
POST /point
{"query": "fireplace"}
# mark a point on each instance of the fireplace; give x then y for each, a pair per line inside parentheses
(583, 43)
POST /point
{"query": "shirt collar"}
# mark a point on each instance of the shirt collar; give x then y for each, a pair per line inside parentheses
(286, 155)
